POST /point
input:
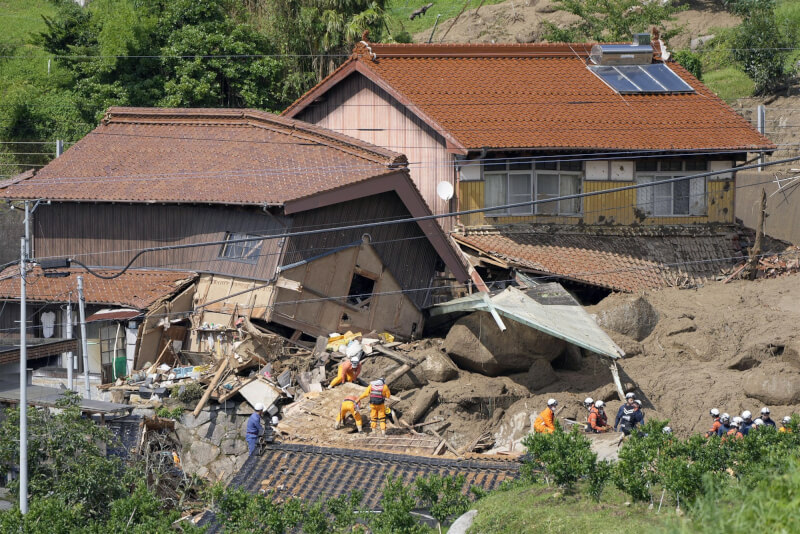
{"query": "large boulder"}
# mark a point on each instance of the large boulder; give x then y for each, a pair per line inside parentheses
(437, 367)
(777, 384)
(630, 315)
(476, 343)
(540, 374)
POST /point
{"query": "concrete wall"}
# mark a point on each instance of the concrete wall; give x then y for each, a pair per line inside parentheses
(783, 209)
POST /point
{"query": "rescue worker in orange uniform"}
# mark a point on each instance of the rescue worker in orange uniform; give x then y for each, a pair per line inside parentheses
(349, 370)
(598, 421)
(785, 422)
(735, 431)
(715, 425)
(378, 392)
(350, 406)
(544, 422)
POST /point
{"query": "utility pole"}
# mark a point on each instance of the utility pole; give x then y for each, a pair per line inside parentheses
(84, 346)
(23, 376)
(70, 355)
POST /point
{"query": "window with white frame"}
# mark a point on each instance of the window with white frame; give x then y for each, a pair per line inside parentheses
(512, 182)
(246, 251)
(679, 198)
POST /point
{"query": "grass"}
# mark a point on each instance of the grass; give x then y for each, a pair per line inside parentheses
(19, 19)
(537, 508)
(729, 83)
(402, 9)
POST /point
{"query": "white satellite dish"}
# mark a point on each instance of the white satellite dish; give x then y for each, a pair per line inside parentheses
(445, 190)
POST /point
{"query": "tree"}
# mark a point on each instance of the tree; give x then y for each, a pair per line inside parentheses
(611, 20)
(759, 44)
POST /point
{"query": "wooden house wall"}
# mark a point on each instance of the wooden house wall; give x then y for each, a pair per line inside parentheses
(403, 248)
(359, 108)
(611, 208)
(109, 235)
(317, 310)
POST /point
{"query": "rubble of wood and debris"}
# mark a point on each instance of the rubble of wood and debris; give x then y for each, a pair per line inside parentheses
(449, 394)
(767, 266)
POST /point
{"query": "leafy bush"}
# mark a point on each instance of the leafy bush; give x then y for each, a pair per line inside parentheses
(690, 61)
(191, 392)
(564, 456)
(175, 413)
(759, 45)
(599, 477)
(397, 503)
(442, 496)
(635, 472)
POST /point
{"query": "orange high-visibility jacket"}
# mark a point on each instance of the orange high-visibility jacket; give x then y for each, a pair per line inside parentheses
(713, 430)
(597, 420)
(543, 423)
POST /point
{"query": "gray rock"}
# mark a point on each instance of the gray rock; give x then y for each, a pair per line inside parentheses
(626, 314)
(699, 42)
(776, 384)
(201, 453)
(462, 524)
(438, 367)
(190, 421)
(234, 446)
(476, 343)
(185, 435)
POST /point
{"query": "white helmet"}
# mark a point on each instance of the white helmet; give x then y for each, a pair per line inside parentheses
(552, 402)
(638, 402)
(379, 382)
(724, 418)
(599, 404)
(735, 422)
(746, 415)
(738, 420)
(259, 407)
(714, 412)
(354, 360)
(758, 422)
(630, 395)
(764, 411)
(786, 420)
(666, 430)
(588, 400)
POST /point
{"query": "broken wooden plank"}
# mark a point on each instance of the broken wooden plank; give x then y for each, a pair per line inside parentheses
(447, 443)
(210, 388)
(734, 273)
(422, 403)
(235, 390)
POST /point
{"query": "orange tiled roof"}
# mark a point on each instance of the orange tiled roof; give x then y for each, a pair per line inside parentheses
(540, 96)
(135, 288)
(624, 259)
(217, 156)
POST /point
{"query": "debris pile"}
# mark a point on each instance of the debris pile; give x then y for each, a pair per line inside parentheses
(773, 266)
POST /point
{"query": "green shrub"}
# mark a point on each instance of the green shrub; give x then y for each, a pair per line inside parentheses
(175, 413)
(599, 477)
(397, 503)
(563, 456)
(192, 391)
(442, 496)
(690, 61)
(635, 472)
(729, 83)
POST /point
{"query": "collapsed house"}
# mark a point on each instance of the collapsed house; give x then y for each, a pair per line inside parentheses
(280, 219)
(124, 319)
(517, 123)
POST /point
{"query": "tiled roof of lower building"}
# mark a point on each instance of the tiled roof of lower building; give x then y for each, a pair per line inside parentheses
(309, 472)
(135, 288)
(622, 259)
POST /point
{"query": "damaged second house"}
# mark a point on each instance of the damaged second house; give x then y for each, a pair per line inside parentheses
(241, 218)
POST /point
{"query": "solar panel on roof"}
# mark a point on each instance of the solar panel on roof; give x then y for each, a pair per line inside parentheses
(650, 78)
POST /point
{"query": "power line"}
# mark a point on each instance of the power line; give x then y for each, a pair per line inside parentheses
(422, 218)
(543, 277)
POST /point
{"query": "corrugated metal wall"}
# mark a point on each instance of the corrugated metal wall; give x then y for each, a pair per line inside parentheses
(612, 208)
(110, 234)
(403, 248)
(359, 108)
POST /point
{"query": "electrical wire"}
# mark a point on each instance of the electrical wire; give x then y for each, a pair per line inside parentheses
(536, 277)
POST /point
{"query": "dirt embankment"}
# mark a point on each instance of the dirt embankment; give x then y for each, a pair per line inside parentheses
(522, 21)
(731, 346)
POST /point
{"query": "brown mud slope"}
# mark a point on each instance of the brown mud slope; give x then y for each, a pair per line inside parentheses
(520, 21)
(731, 346)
